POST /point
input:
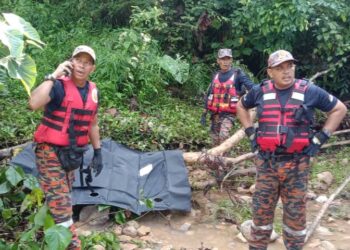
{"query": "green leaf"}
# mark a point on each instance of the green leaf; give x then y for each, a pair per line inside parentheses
(246, 51)
(38, 194)
(13, 176)
(12, 38)
(29, 235)
(26, 203)
(149, 203)
(3, 245)
(49, 221)
(1, 204)
(120, 217)
(34, 43)
(39, 218)
(58, 237)
(23, 26)
(33, 245)
(30, 182)
(6, 213)
(178, 69)
(103, 207)
(5, 187)
(23, 68)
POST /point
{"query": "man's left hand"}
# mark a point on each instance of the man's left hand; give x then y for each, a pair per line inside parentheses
(97, 162)
(316, 143)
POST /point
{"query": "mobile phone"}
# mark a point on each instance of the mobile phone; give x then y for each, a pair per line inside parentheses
(66, 72)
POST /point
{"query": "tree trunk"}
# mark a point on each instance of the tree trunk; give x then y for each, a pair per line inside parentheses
(192, 157)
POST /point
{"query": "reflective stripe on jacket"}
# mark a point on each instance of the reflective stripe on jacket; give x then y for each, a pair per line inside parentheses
(54, 125)
(278, 128)
(223, 97)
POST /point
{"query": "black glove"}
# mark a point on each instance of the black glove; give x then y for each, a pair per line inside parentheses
(204, 119)
(316, 142)
(250, 132)
(96, 163)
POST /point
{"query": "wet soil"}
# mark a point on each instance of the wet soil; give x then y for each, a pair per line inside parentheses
(206, 232)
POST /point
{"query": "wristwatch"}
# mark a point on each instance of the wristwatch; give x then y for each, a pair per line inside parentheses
(50, 77)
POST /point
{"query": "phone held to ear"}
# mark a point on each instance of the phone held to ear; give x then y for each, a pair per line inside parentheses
(66, 71)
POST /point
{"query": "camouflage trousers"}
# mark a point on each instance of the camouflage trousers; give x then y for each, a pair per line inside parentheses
(221, 126)
(56, 184)
(287, 179)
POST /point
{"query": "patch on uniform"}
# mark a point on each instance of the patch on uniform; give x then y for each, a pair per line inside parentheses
(94, 95)
(298, 96)
(331, 98)
(269, 96)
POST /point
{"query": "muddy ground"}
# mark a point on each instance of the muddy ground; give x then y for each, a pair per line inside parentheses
(206, 232)
(200, 230)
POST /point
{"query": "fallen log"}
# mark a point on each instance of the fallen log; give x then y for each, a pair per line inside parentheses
(341, 132)
(234, 171)
(232, 141)
(336, 143)
(325, 206)
(192, 157)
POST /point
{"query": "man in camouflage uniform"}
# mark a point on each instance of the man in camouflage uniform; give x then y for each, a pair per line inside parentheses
(285, 141)
(227, 86)
(69, 122)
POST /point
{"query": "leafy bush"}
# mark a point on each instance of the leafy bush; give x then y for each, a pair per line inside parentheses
(169, 124)
(25, 221)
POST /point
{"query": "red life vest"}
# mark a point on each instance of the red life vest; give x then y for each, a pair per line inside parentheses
(278, 127)
(54, 125)
(223, 97)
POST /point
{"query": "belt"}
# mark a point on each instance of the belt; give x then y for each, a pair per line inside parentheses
(279, 156)
(286, 157)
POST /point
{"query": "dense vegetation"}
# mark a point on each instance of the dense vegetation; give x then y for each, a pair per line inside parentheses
(154, 62)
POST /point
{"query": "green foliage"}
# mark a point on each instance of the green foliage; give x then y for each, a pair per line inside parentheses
(175, 67)
(237, 212)
(130, 67)
(147, 20)
(23, 217)
(106, 239)
(58, 237)
(169, 124)
(15, 34)
(16, 123)
(120, 217)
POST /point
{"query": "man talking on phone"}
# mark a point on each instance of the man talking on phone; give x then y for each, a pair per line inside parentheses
(69, 123)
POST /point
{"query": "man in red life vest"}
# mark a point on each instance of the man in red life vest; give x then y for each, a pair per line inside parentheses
(69, 122)
(227, 86)
(285, 143)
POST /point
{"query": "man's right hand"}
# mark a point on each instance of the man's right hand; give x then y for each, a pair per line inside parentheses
(64, 68)
(250, 132)
(204, 119)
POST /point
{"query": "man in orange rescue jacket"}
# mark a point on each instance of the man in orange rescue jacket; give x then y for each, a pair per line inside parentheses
(285, 142)
(69, 123)
(227, 86)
